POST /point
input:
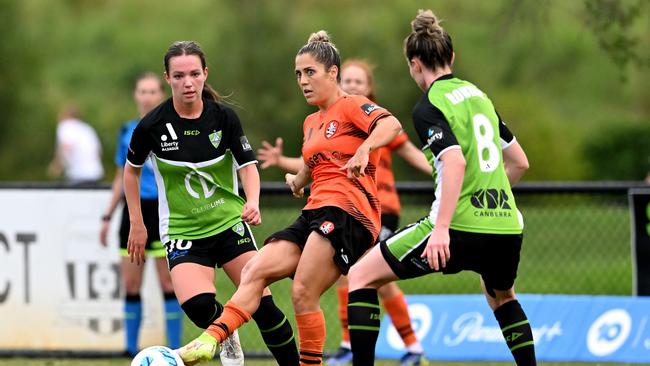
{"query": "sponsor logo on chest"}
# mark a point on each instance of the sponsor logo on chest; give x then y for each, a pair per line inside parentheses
(165, 144)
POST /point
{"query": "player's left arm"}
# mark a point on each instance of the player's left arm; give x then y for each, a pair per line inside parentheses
(515, 161)
(250, 179)
(384, 131)
(415, 157)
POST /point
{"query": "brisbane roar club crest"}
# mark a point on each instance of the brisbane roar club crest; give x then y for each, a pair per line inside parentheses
(215, 138)
(326, 227)
(331, 129)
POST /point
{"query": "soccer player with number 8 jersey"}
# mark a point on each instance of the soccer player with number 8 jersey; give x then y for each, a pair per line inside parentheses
(474, 223)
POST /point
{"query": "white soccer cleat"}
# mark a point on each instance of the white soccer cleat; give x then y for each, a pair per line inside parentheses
(231, 353)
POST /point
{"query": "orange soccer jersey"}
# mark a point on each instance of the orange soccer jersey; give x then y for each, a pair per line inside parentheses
(386, 191)
(331, 138)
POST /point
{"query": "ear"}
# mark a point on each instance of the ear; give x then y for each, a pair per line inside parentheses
(416, 64)
(453, 58)
(167, 78)
(333, 71)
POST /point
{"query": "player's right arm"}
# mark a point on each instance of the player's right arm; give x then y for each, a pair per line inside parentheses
(271, 155)
(137, 231)
(298, 181)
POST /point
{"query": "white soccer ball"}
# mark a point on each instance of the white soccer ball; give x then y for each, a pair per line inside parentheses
(157, 356)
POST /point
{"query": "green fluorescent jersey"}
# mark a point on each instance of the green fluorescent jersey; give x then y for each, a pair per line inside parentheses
(454, 114)
(195, 163)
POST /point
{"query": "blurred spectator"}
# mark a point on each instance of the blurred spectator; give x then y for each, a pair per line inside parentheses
(78, 150)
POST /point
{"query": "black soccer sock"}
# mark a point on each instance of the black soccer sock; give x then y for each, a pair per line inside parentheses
(517, 332)
(276, 332)
(363, 322)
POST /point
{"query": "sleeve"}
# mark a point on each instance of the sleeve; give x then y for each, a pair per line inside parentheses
(433, 129)
(140, 146)
(122, 148)
(401, 138)
(506, 136)
(364, 113)
(238, 142)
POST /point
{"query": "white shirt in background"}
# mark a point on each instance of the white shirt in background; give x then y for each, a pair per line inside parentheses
(81, 151)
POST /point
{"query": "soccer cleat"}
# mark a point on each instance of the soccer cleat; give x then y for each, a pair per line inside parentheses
(342, 357)
(413, 359)
(200, 349)
(231, 352)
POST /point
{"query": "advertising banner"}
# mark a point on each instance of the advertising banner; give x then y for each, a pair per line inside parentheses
(59, 288)
(565, 328)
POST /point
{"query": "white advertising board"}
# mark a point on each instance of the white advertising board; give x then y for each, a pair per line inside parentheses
(60, 289)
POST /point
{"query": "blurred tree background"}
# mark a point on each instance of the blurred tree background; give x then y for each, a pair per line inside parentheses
(570, 77)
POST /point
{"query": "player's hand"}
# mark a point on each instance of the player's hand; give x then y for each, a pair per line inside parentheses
(103, 233)
(270, 155)
(136, 242)
(251, 213)
(290, 179)
(437, 249)
(356, 166)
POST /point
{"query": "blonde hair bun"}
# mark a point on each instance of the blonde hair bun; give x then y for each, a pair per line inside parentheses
(426, 23)
(320, 36)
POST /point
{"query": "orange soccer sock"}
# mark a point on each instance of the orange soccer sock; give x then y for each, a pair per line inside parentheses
(311, 330)
(233, 317)
(397, 309)
(342, 293)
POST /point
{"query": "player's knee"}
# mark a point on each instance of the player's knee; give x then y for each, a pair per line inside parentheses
(356, 279)
(389, 290)
(132, 284)
(202, 309)
(302, 296)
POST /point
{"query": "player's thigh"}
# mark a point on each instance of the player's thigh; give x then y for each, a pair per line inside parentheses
(163, 274)
(371, 270)
(316, 270)
(190, 279)
(275, 261)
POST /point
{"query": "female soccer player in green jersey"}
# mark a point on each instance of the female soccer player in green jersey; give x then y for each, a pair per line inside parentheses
(474, 223)
(198, 147)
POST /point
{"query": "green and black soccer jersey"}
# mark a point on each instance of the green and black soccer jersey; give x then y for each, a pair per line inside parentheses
(195, 162)
(454, 113)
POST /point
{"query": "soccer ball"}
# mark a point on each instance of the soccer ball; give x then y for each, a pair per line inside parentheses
(157, 356)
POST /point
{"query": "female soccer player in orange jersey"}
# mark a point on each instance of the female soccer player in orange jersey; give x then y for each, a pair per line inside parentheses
(357, 79)
(341, 219)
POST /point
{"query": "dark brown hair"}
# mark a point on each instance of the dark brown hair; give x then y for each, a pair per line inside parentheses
(428, 41)
(180, 48)
(323, 50)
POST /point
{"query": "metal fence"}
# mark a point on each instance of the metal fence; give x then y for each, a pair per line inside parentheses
(576, 241)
